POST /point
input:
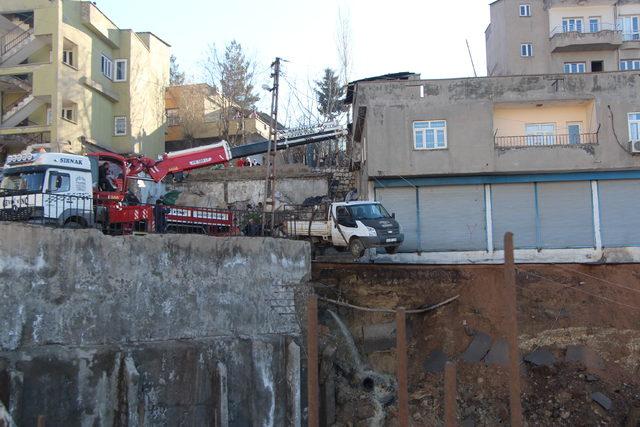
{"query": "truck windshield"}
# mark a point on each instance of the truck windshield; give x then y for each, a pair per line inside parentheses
(372, 211)
(23, 182)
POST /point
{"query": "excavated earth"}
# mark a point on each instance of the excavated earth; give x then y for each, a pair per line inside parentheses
(579, 337)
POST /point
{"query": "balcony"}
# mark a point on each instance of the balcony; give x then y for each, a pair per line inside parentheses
(522, 141)
(607, 37)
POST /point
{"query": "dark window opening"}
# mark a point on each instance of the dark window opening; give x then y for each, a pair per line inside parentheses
(597, 66)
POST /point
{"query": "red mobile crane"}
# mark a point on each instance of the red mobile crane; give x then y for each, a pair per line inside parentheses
(113, 208)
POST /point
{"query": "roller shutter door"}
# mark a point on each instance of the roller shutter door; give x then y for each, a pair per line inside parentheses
(452, 218)
(619, 212)
(566, 214)
(402, 202)
(514, 209)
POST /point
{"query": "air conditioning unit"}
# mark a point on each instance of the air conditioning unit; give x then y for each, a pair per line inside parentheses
(635, 146)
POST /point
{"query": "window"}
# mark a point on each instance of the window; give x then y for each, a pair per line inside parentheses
(540, 133)
(173, 117)
(49, 116)
(571, 24)
(59, 182)
(629, 64)
(430, 135)
(526, 50)
(630, 26)
(634, 126)
(597, 66)
(121, 70)
(67, 57)
(594, 24)
(525, 10)
(574, 67)
(106, 65)
(67, 113)
(120, 126)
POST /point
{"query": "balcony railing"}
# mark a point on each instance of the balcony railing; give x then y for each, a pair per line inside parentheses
(546, 140)
(585, 29)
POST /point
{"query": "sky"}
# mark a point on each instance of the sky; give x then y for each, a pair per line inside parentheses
(422, 36)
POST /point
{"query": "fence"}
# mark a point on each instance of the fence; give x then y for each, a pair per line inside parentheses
(114, 218)
(567, 140)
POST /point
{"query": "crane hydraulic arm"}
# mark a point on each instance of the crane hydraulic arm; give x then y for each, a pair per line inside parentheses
(213, 154)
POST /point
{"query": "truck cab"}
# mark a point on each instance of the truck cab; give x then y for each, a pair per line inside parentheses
(48, 187)
(361, 224)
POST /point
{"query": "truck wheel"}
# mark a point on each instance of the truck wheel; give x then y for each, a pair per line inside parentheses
(391, 249)
(71, 224)
(357, 248)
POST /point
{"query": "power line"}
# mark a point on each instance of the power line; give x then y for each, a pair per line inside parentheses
(564, 286)
(599, 279)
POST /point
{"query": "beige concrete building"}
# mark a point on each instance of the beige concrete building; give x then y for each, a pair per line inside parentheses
(563, 36)
(69, 75)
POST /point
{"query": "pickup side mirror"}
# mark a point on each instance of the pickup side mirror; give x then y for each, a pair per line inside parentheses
(393, 215)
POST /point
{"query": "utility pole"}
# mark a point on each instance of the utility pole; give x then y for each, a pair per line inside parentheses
(270, 179)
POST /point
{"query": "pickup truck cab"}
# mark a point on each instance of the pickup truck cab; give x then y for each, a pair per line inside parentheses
(356, 225)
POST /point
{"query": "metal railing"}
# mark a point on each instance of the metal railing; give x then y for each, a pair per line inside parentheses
(631, 36)
(566, 140)
(16, 36)
(585, 29)
(51, 209)
(6, 110)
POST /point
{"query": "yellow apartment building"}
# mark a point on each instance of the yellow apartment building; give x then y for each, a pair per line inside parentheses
(196, 116)
(71, 79)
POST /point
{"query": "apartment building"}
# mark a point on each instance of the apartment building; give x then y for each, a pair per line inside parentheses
(563, 36)
(553, 158)
(70, 78)
(197, 115)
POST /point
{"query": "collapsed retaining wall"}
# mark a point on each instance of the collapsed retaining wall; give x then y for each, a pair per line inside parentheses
(148, 330)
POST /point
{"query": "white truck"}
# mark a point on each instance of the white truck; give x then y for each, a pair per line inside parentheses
(356, 225)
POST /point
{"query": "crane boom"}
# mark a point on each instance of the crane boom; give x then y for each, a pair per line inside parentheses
(213, 154)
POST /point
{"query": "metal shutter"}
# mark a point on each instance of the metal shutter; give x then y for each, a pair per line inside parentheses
(619, 208)
(402, 202)
(452, 218)
(566, 214)
(513, 208)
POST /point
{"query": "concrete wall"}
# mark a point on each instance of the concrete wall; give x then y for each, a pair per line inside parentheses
(140, 330)
(468, 104)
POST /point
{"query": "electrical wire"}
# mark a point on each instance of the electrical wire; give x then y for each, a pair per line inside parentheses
(564, 286)
(618, 285)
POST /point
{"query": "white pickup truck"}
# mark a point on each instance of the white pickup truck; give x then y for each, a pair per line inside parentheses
(357, 225)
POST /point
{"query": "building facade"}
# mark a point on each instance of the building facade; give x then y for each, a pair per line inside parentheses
(563, 36)
(553, 158)
(197, 115)
(70, 78)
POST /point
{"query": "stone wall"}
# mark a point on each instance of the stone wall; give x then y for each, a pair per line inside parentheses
(148, 330)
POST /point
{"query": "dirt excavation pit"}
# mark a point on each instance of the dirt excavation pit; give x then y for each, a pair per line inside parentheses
(579, 338)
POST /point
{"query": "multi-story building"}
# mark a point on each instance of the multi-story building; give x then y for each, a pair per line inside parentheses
(69, 76)
(553, 158)
(563, 36)
(197, 114)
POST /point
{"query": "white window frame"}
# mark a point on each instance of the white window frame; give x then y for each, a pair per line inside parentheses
(598, 25)
(68, 57)
(424, 130)
(115, 126)
(525, 10)
(579, 124)
(540, 136)
(634, 122)
(526, 50)
(49, 116)
(106, 66)
(629, 64)
(68, 111)
(567, 22)
(124, 70)
(630, 27)
(577, 67)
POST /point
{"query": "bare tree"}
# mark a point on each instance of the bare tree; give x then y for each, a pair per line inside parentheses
(190, 101)
(232, 74)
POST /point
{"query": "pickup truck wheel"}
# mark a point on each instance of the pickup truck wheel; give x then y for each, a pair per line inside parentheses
(357, 248)
(71, 224)
(391, 249)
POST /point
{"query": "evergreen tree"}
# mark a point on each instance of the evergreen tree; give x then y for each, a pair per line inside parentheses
(236, 77)
(176, 77)
(329, 93)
